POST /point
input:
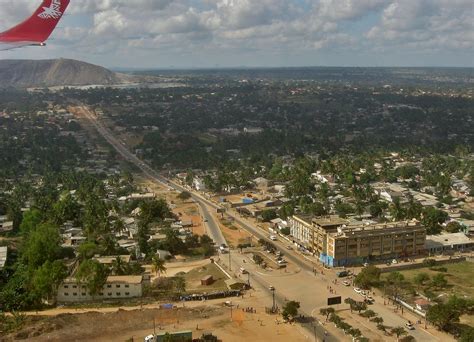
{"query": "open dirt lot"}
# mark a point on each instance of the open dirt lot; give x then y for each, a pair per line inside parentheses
(122, 325)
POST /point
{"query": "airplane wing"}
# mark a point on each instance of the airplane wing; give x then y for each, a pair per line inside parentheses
(36, 29)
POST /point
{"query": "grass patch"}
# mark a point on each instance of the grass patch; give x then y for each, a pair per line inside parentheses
(193, 279)
(460, 277)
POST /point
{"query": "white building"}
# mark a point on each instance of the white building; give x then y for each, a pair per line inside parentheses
(3, 256)
(301, 229)
(116, 287)
(198, 184)
(437, 244)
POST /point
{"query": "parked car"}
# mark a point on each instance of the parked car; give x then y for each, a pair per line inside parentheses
(342, 274)
(282, 262)
(346, 283)
(149, 338)
(289, 248)
(243, 270)
(394, 261)
(273, 238)
(409, 326)
(357, 290)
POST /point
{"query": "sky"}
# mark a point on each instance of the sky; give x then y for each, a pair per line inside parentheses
(255, 33)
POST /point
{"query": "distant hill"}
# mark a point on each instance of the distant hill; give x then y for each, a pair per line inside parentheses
(54, 72)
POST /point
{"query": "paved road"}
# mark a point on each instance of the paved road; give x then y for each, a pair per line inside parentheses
(312, 297)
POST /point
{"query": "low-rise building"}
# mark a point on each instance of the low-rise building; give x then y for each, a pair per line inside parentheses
(116, 287)
(3, 256)
(448, 243)
(357, 244)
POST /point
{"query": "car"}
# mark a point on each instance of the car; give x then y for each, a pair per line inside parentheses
(289, 248)
(357, 290)
(273, 238)
(346, 283)
(394, 261)
(366, 264)
(278, 253)
(271, 288)
(282, 262)
(243, 270)
(205, 220)
(149, 338)
(409, 326)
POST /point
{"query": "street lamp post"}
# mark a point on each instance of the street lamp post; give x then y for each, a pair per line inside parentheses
(273, 297)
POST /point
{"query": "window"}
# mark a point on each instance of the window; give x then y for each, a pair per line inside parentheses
(101, 293)
(117, 293)
(83, 294)
(117, 286)
(66, 286)
(66, 293)
(127, 286)
(109, 294)
(74, 286)
(74, 294)
(127, 293)
(109, 286)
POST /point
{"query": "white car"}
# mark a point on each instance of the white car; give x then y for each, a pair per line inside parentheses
(281, 262)
(409, 326)
(357, 290)
(273, 238)
(149, 338)
(346, 283)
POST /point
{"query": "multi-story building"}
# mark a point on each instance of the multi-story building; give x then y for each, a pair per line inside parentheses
(357, 244)
(322, 226)
(301, 230)
(310, 232)
(116, 287)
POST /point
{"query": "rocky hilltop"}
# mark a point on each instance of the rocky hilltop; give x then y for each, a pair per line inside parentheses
(54, 72)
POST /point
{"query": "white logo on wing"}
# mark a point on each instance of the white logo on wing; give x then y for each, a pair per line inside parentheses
(53, 11)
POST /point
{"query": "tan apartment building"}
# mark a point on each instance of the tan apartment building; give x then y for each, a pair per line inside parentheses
(310, 232)
(357, 244)
(116, 287)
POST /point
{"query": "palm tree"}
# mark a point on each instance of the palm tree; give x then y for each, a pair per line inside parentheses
(118, 266)
(399, 331)
(158, 265)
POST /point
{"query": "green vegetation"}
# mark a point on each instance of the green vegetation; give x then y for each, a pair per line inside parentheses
(368, 277)
(457, 278)
(290, 310)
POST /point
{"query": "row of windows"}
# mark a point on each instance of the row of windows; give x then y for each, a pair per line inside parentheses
(108, 286)
(100, 294)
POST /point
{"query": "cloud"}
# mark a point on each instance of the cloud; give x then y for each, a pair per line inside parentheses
(219, 28)
(425, 24)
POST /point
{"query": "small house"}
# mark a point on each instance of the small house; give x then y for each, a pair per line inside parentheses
(207, 280)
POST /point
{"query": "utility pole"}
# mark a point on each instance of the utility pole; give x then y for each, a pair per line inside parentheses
(273, 296)
(248, 278)
(230, 264)
(154, 327)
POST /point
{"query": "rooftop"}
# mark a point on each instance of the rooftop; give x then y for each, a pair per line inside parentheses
(447, 240)
(328, 221)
